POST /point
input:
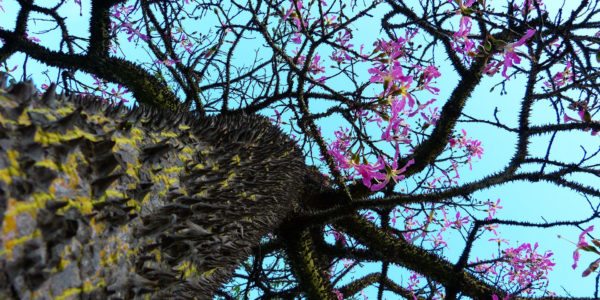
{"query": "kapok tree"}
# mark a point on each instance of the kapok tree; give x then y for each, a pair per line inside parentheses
(376, 95)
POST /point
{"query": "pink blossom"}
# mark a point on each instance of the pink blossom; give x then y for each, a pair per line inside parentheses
(339, 237)
(391, 172)
(429, 73)
(167, 62)
(342, 40)
(529, 6)
(528, 265)
(432, 117)
(116, 11)
(295, 8)
(339, 148)
(315, 66)
(368, 172)
(393, 131)
(461, 42)
(464, 28)
(581, 243)
(133, 32)
(493, 207)
(119, 93)
(498, 240)
(473, 147)
(32, 38)
(510, 56)
(561, 78)
(458, 222)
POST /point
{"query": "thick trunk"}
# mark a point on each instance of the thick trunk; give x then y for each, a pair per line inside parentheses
(107, 202)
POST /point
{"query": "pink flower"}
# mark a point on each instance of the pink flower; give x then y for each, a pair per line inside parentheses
(315, 67)
(339, 237)
(295, 8)
(561, 78)
(368, 172)
(429, 73)
(32, 38)
(464, 27)
(119, 93)
(121, 9)
(498, 240)
(297, 38)
(167, 62)
(373, 172)
(473, 147)
(432, 117)
(395, 122)
(510, 56)
(391, 172)
(438, 240)
(529, 6)
(458, 222)
(493, 207)
(581, 243)
(133, 32)
(462, 44)
(339, 148)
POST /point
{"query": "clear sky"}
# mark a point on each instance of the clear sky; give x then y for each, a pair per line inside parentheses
(537, 202)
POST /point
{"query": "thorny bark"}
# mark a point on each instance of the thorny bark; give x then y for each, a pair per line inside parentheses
(296, 234)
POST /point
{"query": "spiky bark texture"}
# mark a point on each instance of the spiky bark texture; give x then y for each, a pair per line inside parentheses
(101, 201)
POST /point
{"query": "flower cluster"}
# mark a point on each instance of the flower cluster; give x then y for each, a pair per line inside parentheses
(463, 44)
(120, 22)
(343, 40)
(374, 175)
(527, 265)
(461, 41)
(295, 15)
(117, 95)
(472, 147)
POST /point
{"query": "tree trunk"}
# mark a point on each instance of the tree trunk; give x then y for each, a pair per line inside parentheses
(101, 201)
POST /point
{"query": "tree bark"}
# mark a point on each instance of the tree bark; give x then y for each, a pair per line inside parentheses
(102, 201)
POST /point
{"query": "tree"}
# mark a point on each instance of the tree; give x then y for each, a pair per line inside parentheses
(385, 187)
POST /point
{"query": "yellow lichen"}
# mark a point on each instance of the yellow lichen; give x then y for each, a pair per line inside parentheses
(68, 294)
(47, 163)
(187, 269)
(12, 243)
(13, 168)
(83, 204)
(169, 134)
(173, 169)
(24, 119)
(236, 160)
(209, 272)
(65, 110)
(52, 138)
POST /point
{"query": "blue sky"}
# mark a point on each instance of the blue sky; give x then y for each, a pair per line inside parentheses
(522, 201)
